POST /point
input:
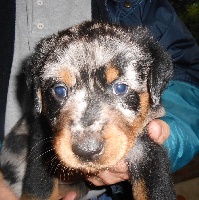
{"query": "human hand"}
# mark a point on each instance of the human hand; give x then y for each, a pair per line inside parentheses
(111, 176)
(158, 130)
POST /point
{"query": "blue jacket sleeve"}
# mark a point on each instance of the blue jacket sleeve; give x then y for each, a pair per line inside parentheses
(181, 101)
(173, 35)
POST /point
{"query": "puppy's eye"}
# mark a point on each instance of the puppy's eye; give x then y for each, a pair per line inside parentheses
(60, 91)
(120, 88)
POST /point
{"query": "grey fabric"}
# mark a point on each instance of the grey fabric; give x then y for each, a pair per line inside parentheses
(35, 20)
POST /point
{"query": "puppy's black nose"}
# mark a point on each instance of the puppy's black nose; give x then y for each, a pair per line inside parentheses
(88, 150)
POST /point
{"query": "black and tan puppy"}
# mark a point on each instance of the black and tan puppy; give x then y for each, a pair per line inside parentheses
(96, 86)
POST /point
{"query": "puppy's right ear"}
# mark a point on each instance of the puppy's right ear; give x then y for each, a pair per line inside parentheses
(160, 73)
(34, 69)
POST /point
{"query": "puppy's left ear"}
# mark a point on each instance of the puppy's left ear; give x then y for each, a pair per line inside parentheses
(160, 72)
(160, 68)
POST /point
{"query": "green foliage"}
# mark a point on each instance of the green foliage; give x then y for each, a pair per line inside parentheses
(188, 11)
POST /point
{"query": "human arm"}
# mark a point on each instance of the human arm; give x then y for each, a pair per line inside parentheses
(181, 101)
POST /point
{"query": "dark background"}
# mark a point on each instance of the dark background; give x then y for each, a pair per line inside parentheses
(188, 11)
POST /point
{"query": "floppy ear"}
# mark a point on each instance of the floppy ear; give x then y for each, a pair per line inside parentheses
(34, 66)
(161, 68)
(160, 72)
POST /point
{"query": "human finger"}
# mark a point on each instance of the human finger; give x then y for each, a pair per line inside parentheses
(113, 175)
(159, 131)
(70, 196)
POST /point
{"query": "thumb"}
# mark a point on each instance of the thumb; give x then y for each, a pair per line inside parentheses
(158, 131)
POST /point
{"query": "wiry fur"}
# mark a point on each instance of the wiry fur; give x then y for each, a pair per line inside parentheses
(82, 123)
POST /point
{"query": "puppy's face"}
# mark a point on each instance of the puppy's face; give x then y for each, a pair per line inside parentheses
(93, 86)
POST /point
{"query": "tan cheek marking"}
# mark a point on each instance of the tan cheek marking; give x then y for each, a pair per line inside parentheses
(62, 144)
(139, 190)
(111, 73)
(141, 120)
(55, 192)
(67, 77)
(115, 145)
(120, 137)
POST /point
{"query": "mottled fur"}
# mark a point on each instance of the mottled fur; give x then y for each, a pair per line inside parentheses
(96, 86)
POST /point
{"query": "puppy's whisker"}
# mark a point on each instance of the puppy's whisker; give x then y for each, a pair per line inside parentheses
(44, 153)
(52, 163)
(62, 173)
(56, 111)
(51, 160)
(42, 142)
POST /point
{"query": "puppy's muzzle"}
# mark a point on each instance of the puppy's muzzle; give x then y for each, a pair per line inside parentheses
(88, 149)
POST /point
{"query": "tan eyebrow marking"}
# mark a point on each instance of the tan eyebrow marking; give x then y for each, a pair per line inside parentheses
(67, 77)
(111, 73)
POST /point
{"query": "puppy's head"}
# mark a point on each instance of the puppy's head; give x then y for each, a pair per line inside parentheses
(98, 85)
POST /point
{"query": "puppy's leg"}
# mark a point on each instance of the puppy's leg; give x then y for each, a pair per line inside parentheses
(14, 154)
(150, 170)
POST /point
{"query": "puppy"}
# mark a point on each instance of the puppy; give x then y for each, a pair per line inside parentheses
(96, 86)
